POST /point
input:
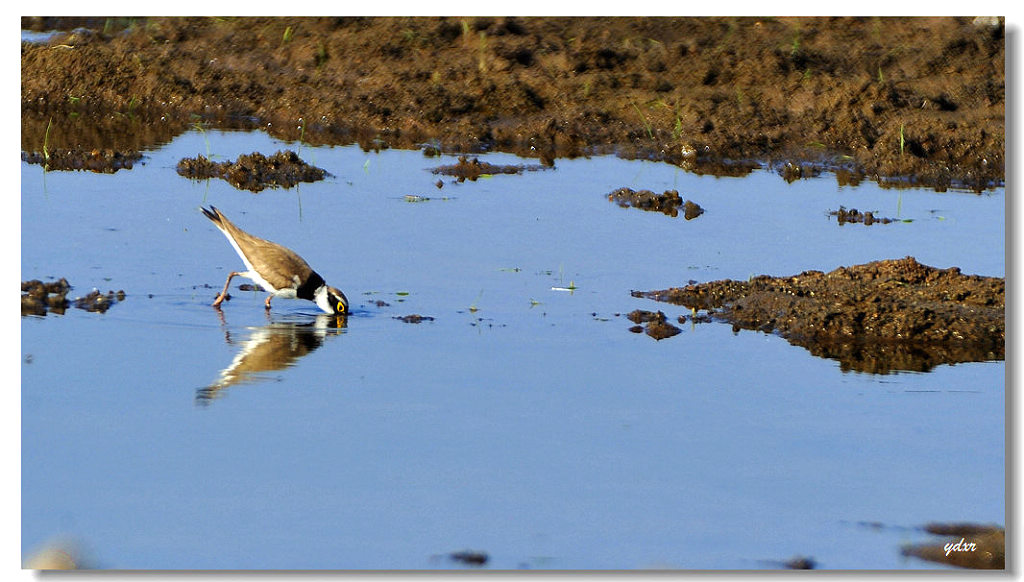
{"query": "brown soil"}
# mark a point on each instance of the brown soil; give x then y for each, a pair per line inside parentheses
(917, 100)
(255, 171)
(878, 317)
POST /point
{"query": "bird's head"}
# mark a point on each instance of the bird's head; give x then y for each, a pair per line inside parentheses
(337, 300)
(331, 300)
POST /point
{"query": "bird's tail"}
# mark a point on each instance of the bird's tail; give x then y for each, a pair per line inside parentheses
(213, 214)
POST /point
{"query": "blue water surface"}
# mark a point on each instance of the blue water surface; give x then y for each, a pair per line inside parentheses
(523, 420)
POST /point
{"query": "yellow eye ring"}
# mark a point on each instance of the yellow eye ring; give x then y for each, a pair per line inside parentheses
(341, 307)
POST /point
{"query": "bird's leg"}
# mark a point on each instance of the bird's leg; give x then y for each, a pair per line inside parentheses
(268, 302)
(224, 292)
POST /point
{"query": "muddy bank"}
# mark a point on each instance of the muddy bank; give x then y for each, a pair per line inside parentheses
(878, 317)
(920, 100)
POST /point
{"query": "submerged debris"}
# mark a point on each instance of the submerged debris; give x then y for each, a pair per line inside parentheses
(471, 169)
(105, 161)
(255, 171)
(853, 215)
(966, 546)
(38, 298)
(666, 203)
(878, 317)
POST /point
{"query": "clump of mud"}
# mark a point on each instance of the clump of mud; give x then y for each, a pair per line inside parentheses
(657, 326)
(854, 216)
(878, 317)
(469, 557)
(39, 298)
(800, 563)
(791, 172)
(472, 169)
(255, 171)
(666, 203)
(415, 318)
(104, 161)
(99, 302)
(966, 545)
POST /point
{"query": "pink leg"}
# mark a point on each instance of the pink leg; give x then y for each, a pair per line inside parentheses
(268, 302)
(224, 292)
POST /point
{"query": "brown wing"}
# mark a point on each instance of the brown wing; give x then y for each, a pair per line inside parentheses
(272, 261)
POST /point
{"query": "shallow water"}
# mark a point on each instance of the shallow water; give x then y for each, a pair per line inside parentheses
(522, 421)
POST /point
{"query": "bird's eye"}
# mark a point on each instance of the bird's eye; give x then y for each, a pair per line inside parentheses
(341, 307)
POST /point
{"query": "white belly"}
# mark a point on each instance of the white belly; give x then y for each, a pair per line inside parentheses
(286, 293)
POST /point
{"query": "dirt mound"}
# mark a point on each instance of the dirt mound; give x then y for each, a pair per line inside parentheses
(877, 317)
(255, 171)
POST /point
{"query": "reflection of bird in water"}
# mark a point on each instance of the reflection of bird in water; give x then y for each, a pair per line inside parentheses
(271, 348)
(279, 270)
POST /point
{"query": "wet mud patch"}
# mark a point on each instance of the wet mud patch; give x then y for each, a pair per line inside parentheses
(879, 317)
(854, 216)
(103, 161)
(254, 172)
(964, 545)
(39, 298)
(474, 169)
(654, 324)
(667, 202)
